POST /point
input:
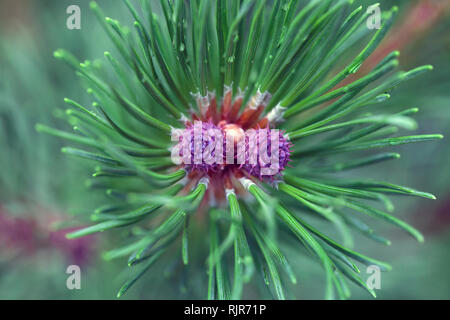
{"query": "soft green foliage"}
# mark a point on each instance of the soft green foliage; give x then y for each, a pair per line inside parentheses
(287, 48)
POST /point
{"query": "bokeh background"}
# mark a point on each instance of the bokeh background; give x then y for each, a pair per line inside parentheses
(44, 194)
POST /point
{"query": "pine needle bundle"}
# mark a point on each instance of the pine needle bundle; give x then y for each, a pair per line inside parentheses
(233, 66)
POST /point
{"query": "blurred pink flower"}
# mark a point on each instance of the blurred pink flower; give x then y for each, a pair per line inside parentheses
(25, 236)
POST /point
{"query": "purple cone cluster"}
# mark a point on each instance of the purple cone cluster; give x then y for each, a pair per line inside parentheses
(252, 168)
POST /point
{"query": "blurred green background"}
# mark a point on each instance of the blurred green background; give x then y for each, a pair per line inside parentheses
(42, 191)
